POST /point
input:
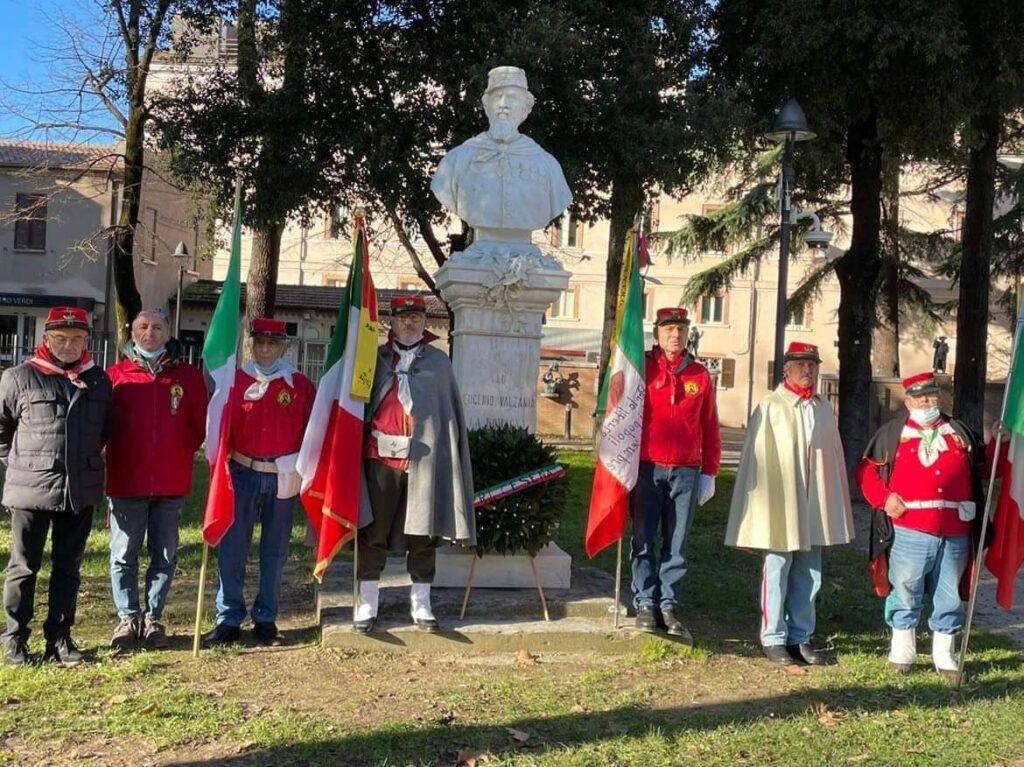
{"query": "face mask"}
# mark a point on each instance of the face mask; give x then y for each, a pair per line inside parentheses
(270, 369)
(153, 355)
(925, 415)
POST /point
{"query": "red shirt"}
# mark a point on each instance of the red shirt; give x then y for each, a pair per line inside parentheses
(680, 415)
(947, 479)
(273, 425)
(388, 418)
(159, 421)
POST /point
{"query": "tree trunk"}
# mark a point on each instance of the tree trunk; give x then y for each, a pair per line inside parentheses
(129, 303)
(885, 352)
(627, 200)
(858, 272)
(261, 284)
(972, 315)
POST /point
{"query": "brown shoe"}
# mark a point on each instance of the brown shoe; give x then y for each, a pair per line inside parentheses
(126, 634)
(154, 635)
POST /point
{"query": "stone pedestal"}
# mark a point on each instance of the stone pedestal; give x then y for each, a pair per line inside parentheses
(499, 293)
(494, 571)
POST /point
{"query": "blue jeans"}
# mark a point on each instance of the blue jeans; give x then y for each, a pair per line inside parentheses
(133, 520)
(665, 497)
(790, 582)
(921, 564)
(255, 499)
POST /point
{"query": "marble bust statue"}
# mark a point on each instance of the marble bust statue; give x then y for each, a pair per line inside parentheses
(501, 182)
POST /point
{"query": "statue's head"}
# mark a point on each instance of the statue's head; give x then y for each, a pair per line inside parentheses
(507, 101)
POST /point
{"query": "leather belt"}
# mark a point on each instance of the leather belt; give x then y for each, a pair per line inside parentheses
(266, 467)
(936, 504)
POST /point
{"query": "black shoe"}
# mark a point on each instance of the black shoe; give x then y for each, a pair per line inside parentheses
(16, 653)
(430, 625)
(778, 654)
(64, 651)
(647, 618)
(221, 635)
(807, 654)
(364, 627)
(266, 633)
(674, 627)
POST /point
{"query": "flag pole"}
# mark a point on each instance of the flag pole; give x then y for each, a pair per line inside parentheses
(618, 580)
(997, 429)
(199, 598)
(355, 575)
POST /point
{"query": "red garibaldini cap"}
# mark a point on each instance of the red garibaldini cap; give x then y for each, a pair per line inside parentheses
(264, 327)
(671, 314)
(406, 304)
(67, 317)
(801, 351)
(922, 383)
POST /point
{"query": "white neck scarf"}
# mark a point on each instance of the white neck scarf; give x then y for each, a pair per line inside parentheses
(259, 388)
(405, 359)
(933, 440)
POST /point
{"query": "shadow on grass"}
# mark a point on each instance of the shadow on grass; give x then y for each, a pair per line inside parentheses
(440, 743)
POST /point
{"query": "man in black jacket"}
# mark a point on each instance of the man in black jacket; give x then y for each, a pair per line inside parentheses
(54, 420)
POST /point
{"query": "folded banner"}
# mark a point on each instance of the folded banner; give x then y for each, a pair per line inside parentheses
(518, 484)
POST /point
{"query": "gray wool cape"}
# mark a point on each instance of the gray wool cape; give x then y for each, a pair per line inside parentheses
(439, 500)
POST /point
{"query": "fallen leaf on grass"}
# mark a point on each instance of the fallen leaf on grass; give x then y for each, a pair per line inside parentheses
(578, 708)
(117, 700)
(11, 701)
(524, 658)
(446, 717)
(795, 670)
(858, 758)
(149, 708)
(470, 757)
(826, 716)
(518, 735)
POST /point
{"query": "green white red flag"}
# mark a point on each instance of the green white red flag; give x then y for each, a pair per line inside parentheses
(330, 459)
(1006, 554)
(220, 358)
(621, 399)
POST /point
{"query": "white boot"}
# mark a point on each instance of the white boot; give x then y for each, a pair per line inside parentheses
(366, 608)
(903, 650)
(943, 650)
(422, 614)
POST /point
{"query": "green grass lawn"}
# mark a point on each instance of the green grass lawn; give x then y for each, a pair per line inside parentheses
(719, 705)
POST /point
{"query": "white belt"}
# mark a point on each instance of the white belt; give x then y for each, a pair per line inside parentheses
(932, 504)
(266, 467)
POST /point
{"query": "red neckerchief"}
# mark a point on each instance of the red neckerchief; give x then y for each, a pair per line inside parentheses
(800, 391)
(667, 371)
(45, 362)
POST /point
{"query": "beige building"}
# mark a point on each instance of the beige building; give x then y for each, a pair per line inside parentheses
(57, 207)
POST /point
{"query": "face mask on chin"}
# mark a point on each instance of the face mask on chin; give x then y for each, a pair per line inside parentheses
(153, 355)
(270, 369)
(925, 415)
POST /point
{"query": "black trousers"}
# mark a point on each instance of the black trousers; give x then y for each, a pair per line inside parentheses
(28, 539)
(388, 493)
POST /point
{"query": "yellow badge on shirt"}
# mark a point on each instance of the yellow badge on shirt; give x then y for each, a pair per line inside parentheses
(284, 397)
(691, 388)
(177, 392)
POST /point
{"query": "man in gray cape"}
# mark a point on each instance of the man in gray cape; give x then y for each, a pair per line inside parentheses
(790, 499)
(416, 469)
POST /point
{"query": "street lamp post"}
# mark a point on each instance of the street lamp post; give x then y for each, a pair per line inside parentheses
(180, 257)
(790, 127)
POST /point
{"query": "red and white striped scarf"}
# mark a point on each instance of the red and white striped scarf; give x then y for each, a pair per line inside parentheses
(45, 362)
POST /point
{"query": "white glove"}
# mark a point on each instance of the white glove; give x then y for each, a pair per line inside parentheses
(289, 481)
(705, 489)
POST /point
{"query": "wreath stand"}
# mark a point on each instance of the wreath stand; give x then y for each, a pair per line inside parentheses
(536, 581)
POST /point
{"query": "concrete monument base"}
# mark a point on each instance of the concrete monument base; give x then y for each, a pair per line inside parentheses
(494, 571)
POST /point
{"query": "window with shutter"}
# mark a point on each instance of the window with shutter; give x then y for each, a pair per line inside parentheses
(30, 226)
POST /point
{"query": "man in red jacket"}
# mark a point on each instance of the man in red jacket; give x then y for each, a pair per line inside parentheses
(159, 414)
(271, 403)
(680, 450)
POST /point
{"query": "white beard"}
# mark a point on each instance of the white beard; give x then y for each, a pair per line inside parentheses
(502, 130)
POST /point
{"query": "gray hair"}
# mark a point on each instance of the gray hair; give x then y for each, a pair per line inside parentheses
(156, 313)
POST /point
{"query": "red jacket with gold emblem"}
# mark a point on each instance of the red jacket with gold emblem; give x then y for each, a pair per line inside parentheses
(159, 421)
(680, 415)
(272, 425)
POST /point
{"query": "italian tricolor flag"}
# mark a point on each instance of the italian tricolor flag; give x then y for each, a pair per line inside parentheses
(1006, 555)
(622, 401)
(330, 459)
(220, 359)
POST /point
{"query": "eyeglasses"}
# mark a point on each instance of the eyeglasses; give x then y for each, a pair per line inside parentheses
(59, 339)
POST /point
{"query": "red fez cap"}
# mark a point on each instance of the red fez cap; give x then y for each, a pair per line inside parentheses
(922, 383)
(405, 304)
(265, 327)
(801, 351)
(67, 317)
(671, 314)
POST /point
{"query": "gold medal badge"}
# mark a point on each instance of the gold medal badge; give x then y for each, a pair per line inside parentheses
(691, 388)
(284, 397)
(177, 392)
